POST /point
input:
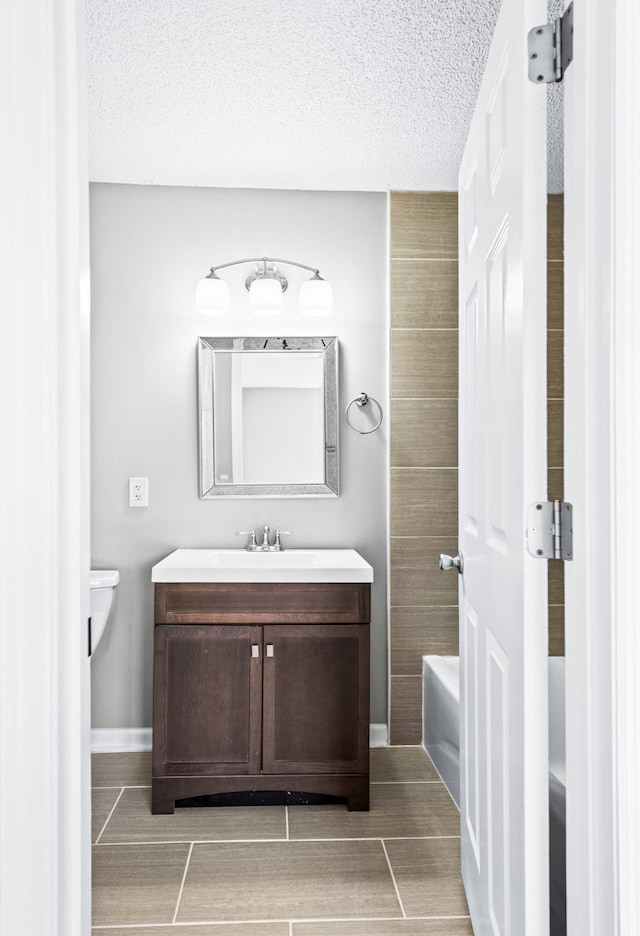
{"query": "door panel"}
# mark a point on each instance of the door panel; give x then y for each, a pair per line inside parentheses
(498, 785)
(469, 764)
(502, 427)
(316, 699)
(214, 682)
(497, 436)
(468, 381)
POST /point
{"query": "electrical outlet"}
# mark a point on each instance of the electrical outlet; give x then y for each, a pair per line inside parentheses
(138, 492)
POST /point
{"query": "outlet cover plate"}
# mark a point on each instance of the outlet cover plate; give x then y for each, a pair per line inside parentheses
(138, 492)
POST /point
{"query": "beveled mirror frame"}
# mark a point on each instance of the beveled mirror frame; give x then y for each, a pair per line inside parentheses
(206, 356)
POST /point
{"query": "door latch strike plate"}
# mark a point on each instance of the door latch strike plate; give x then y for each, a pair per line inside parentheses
(550, 530)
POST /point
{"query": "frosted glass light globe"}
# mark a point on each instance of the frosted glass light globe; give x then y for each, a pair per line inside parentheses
(212, 296)
(265, 296)
(316, 297)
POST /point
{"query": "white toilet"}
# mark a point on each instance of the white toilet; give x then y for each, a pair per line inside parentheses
(102, 584)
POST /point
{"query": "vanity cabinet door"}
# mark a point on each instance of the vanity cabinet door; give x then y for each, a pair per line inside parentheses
(316, 699)
(207, 700)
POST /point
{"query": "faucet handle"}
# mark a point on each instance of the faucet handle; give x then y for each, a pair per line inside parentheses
(252, 534)
(277, 544)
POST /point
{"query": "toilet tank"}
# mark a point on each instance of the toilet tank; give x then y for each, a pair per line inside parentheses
(102, 584)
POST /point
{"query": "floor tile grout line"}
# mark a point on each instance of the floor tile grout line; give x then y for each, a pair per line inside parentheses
(401, 782)
(185, 841)
(290, 927)
(394, 919)
(275, 841)
(417, 838)
(286, 821)
(97, 841)
(127, 786)
(393, 878)
(201, 923)
(184, 878)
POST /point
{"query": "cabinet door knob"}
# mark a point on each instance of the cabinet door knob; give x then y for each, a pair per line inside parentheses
(255, 650)
(269, 650)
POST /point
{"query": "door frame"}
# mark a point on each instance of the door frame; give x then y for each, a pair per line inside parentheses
(45, 809)
(613, 444)
(602, 465)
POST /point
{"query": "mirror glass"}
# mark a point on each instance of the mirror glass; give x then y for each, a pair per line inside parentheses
(268, 417)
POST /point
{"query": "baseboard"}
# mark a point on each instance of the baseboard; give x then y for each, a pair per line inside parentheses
(125, 740)
(378, 736)
(120, 740)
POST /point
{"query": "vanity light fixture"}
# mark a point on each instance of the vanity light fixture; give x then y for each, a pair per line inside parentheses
(212, 295)
(266, 286)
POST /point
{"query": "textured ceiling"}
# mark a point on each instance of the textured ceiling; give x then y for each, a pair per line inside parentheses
(363, 95)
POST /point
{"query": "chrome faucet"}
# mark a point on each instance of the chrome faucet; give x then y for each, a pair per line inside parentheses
(277, 545)
(252, 546)
(265, 545)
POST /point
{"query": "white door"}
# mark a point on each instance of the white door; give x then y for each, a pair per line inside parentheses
(503, 590)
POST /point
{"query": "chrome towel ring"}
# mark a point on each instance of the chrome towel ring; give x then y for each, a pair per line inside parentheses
(363, 400)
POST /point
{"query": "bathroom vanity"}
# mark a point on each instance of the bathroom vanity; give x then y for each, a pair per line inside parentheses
(261, 674)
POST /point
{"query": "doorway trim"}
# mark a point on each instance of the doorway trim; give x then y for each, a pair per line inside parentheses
(44, 496)
(602, 467)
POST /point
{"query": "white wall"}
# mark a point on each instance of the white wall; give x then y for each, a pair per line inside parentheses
(150, 245)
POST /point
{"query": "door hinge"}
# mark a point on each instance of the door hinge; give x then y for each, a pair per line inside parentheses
(550, 530)
(550, 49)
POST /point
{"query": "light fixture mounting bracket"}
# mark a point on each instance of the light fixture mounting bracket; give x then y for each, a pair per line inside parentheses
(268, 271)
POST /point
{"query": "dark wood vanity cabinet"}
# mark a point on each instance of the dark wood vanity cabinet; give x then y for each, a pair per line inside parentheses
(261, 687)
(207, 699)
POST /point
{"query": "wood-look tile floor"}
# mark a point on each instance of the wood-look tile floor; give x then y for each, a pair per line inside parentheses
(278, 870)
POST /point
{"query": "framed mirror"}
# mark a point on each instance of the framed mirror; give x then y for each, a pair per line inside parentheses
(268, 417)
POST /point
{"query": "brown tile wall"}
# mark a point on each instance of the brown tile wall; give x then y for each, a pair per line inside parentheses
(424, 440)
(424, 445)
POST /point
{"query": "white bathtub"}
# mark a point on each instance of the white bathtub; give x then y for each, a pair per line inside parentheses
(441, 739)
(441, 718)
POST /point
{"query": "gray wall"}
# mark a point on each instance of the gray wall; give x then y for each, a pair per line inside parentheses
(149, 247)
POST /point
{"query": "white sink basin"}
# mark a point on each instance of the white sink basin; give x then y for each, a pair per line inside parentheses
(238, 565)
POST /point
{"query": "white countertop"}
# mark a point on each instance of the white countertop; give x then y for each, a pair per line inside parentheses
(240, 565)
